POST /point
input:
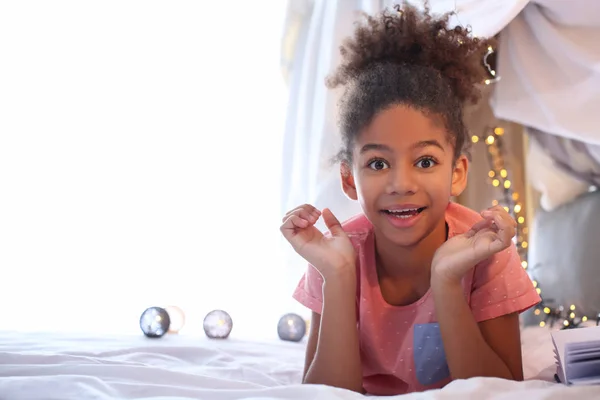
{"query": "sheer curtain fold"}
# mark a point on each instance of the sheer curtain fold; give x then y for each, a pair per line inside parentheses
(311, 139)
(549, 63)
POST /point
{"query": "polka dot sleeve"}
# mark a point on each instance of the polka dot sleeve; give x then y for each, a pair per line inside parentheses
(501, 286)
(309, 291)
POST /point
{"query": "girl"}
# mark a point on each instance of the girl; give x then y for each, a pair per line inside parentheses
(417, 290)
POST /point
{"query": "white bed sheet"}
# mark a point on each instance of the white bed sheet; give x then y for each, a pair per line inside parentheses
(53, 366)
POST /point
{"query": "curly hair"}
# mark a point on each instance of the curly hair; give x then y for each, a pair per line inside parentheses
(408, 57)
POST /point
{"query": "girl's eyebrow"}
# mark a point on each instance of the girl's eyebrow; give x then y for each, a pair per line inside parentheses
(375, 146)
(427, 143)
(383, 147)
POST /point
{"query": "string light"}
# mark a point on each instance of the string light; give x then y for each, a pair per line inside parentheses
(498, 177)
(493, 76)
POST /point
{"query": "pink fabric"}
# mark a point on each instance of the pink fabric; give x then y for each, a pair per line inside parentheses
(401, 347)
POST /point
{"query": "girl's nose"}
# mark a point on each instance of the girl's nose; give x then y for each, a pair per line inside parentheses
(402, 181)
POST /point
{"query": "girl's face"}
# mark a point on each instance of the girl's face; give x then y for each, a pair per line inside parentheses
(403, 174)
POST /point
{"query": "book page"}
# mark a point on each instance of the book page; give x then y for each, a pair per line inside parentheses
(562, 338)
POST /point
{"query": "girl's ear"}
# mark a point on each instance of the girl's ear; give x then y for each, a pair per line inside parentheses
(348, 184)
(459, 175)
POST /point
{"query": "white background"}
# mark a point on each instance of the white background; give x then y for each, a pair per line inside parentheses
(140, 150)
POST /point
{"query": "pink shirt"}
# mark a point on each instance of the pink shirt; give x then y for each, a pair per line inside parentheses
(401, 346)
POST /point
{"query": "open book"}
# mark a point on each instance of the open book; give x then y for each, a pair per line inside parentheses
(577, 353)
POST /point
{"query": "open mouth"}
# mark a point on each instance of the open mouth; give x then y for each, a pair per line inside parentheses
(405, 213)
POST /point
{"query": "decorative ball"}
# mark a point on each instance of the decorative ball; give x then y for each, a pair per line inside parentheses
(177, 318)
(155, 322)
(291, 327)
(218, 324)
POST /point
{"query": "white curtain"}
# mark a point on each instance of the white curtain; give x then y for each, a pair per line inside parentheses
(139, 163)
(485, 17)
(311, 138)
(550, 67)
(548, 60)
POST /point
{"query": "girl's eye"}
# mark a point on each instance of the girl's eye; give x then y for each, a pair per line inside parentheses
(378, 165)
(426, 162)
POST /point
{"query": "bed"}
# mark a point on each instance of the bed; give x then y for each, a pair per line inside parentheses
(67, 366)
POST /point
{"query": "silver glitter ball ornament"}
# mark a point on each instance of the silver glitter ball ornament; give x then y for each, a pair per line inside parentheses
(291, 327)
(155, 322)
(218, 324)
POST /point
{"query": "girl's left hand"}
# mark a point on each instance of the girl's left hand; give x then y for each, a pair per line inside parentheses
(462, 252)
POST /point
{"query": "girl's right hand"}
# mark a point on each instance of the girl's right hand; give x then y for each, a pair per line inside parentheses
(329, 254)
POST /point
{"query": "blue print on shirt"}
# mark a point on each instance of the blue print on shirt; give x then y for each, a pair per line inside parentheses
(430, 357)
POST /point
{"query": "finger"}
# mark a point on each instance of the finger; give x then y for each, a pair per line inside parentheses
(503, 232)
(495, 209)
(483, 224)
(504, 223)
(500, 216)
(292, 223)
(487, 235)
(307, 207)
(497, 245)
(498, 207)
(308, 213)
(491, 240)
(332, 223)
(501, 211)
